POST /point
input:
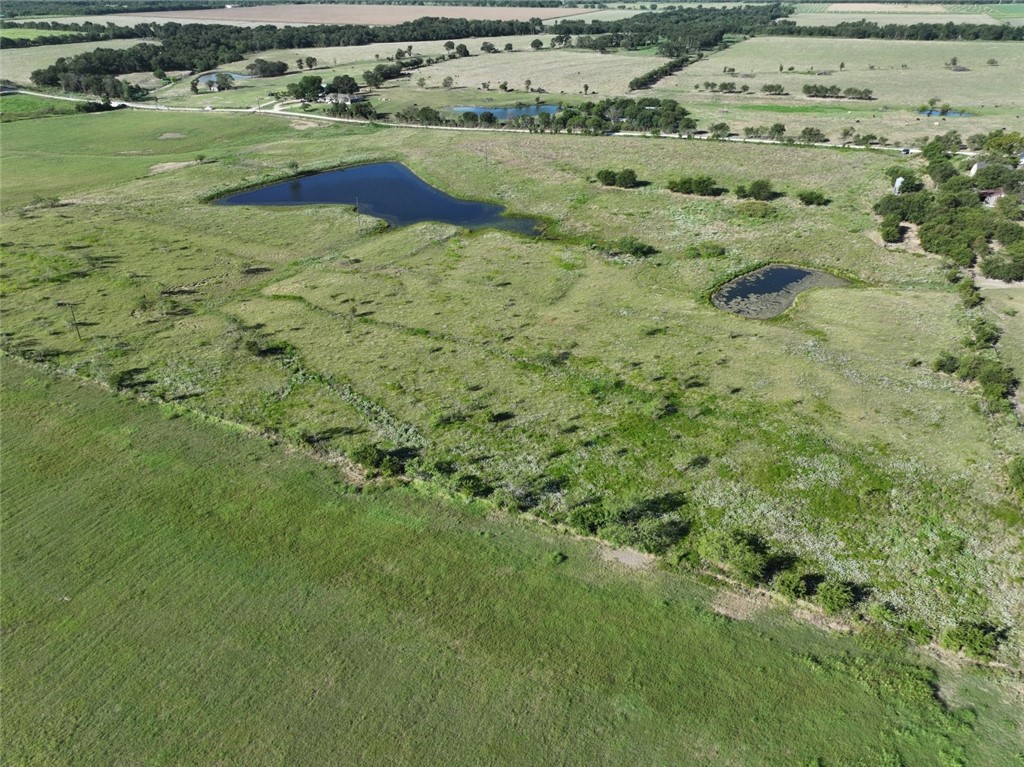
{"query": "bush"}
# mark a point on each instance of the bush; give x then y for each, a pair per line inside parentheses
(626, 179)
(702, 185)
(891, 230)
(635, 247)
(705, 249)
(741, 553)
(946, 363)
(1000, 266)
(985, 333)
(811, 197)
(790, 584)
(368, 456)
(969, 294)
(606, 177)
(975, 640)
(755, 209)
(761, 190)
(835, 596)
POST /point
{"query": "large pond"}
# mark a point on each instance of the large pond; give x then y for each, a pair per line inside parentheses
(507, 113)
(767, 292)
(386, 190)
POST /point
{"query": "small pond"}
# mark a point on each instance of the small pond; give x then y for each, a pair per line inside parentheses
(767, 292)
(211, 77)
(386, 190)
(507, 113)
(938, 113)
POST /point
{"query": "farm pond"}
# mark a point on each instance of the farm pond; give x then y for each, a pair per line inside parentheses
(767, 292)
(385, 190)
(507, 113)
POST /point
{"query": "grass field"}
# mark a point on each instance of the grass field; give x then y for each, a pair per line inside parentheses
(28, 34)
(16, 64)
(902, 75)
(541, 368)
(20, 107)
(178, 592)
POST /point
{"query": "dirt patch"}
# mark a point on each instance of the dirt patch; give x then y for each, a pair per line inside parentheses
(306, 124)
(822, 621)
(634, 560)
(163, 167)
(166, 136)
(740, 605)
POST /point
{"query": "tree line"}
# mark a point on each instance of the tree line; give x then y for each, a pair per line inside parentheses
(869, 29)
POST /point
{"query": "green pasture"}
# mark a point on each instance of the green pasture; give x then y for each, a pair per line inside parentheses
(542, 368)
(24, 33)
(17, 64)
(176, 591)
(17, 106)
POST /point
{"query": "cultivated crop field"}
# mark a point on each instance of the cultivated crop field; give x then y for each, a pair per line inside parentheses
(535, 368)
(901, 74)
(829, 14)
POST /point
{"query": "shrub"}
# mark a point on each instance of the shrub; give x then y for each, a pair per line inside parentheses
(606, 177)
(367, 456)
(739, 552)
(946, 363)
(835, 596)
(702, 185)
(755, 209)
(626, 179)
(705, 249)
(758, 190)
(975, 640)
(811, 197)
(969, 294)
(891, 230)
(790, 584)
(635, 247)
(1000, 266)
(985, 333)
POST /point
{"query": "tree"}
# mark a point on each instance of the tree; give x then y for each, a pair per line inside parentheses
(462, 50)
(488, 118)
(449, 46)
(508, 47)
(310, 62)
(813, 136)
(606, 176)
(194, 86)
(421, 82)
(224, 81)
(586, 89)
(299, 63)
(307, 89)
(720, 130)
(448, 82)
(537, 44)
(373, 78)
(488, 47)
(527, 84)
(344, 84)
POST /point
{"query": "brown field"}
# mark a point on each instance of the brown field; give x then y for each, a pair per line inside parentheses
(885, 8)
(332, 14)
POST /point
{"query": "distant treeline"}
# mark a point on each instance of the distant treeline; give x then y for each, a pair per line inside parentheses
(73, 33)
(869, 29)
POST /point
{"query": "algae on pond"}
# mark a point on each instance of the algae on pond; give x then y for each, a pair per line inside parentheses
(769, 291)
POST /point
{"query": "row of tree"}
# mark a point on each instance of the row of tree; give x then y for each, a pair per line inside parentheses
(816, 91)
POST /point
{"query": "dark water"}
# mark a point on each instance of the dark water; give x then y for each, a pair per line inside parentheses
(937, 113)
(507, 113)
(769, 291)
(212, 77)
(386, 190)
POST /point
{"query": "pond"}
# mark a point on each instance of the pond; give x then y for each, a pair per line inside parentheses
(767, 292)
(386, 190)
(211, 77)
(938, 113)
(507, 113)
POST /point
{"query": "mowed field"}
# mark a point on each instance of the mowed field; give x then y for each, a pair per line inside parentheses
(901, 74)
(539, 367)
(177, 592)
(17, 64)
(30, 34)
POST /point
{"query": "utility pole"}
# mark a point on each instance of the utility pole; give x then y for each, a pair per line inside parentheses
(74, 320)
